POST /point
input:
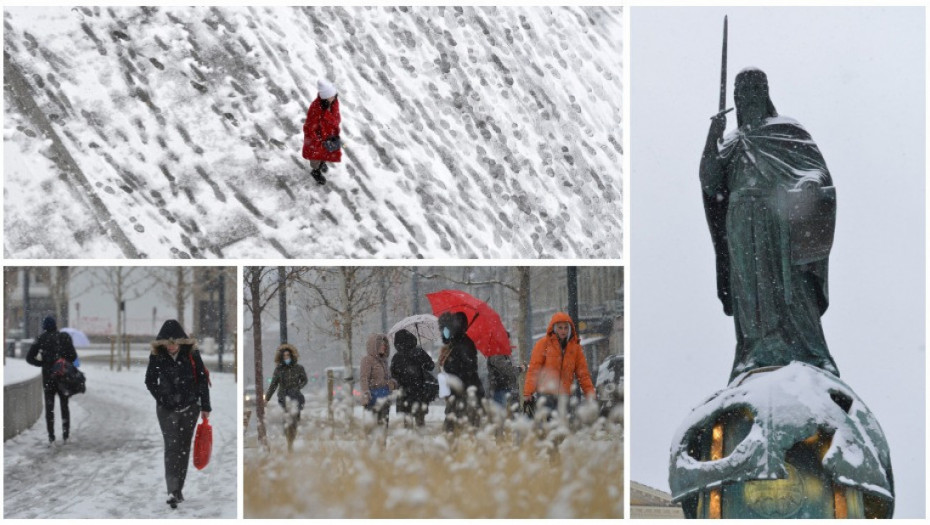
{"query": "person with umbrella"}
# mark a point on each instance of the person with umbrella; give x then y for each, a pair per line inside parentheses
(54, 346)
(557, 361)
(459, 358)
(411, 367)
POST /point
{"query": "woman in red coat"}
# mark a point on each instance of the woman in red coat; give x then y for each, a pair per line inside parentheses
(321, 131)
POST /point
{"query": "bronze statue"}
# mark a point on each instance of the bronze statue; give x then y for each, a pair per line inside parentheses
(771, 208)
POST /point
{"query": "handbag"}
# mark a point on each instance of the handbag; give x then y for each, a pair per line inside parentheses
(203, 444)
(443, 380)
(332, 143)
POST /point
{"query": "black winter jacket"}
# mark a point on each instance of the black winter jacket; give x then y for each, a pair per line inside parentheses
(54, 345)
(463, 363)
(288, 380)
(410, 368)
(178, 383)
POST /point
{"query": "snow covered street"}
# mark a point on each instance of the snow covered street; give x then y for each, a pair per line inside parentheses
(112, 467)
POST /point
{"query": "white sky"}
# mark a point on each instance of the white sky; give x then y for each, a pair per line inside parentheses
(854, 77)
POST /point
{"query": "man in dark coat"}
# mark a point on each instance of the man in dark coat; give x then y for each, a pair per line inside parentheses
(411, 367)
(459, 358)
(179, 382)
(53, 345)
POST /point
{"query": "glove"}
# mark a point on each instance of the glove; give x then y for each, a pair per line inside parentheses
(332, 143)
(529, 406)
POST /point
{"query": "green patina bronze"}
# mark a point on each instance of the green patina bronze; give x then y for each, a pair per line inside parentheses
(786, 438)
(771, 207)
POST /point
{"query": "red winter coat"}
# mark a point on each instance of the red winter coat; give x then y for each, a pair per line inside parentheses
(320, 125)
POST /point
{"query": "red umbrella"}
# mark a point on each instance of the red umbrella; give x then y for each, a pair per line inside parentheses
(484, 325)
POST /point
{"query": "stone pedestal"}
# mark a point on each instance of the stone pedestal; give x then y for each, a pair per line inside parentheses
(788, 442)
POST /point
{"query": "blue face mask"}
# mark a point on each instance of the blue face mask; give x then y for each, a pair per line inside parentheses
(287, 361)
(446, 333)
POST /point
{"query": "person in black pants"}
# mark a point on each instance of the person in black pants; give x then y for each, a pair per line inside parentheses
(53, 345)
(179, 382)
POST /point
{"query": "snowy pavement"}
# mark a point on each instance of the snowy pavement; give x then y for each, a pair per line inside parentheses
(113, 465)
(175, 132)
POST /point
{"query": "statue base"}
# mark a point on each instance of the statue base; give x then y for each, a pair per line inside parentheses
(786, 442)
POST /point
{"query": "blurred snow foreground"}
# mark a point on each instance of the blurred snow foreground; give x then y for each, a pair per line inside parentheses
(113, 465)
(346, 466)
(176, 132)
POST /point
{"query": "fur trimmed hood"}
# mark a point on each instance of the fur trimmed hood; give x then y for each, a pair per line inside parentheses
(172, 333)
(295, 356)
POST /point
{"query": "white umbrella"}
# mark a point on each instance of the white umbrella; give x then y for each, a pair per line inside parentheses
(77, 337)
(421, 325)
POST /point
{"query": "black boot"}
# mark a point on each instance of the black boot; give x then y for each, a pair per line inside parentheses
(318, 176)
(172, 500)
(323, 167)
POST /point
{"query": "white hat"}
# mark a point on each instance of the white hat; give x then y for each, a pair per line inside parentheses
(326, 88)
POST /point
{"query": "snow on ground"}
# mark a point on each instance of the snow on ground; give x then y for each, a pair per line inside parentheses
(341, 472)
(17, 371)
(113, 465)
(469, 132)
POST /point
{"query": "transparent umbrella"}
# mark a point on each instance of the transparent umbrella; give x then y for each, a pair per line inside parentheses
(77, 337)
(422, 325)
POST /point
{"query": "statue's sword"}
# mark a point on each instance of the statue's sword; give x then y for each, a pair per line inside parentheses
(723, 76)
(723, 70)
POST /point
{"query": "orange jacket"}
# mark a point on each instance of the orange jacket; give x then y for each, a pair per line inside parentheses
(551, 371)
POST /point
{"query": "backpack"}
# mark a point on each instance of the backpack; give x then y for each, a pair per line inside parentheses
(68, 378)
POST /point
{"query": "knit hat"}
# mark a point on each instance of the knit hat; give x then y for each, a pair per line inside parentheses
(404, 340)
(171, 333)
(326, 88)
(49, 324)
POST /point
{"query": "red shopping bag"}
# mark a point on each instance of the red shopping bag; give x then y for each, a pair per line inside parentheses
(203, 444)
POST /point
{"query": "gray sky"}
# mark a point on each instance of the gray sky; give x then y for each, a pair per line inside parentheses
(854, 78)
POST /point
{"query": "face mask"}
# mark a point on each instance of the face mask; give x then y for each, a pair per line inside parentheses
(446, 334)
(287, 361)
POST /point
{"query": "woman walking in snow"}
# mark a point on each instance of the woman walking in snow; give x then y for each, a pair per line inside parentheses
(288, 379)
(412, 368)
(321, 131)
(375, 377)
(179, 382)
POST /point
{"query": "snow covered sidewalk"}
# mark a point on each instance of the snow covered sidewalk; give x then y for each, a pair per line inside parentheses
(113, 465)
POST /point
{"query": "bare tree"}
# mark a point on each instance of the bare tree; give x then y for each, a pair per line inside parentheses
(347, 293)
(261, 285)
(176, 284)
(122, 283)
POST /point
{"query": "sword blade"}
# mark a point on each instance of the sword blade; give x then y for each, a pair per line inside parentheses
(723, 69)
